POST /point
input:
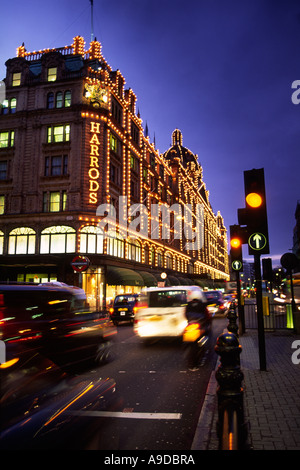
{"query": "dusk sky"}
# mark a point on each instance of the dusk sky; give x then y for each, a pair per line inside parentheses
(221, 71)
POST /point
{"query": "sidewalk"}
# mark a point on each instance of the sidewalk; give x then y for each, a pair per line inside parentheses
(271, 397)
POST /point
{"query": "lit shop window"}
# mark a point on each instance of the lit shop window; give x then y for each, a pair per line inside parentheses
(1, 242)
(91, 239)
(16, 79)
(58, 134)
(58, 239)
(134, 250)
(21, 241)
(7, 139)
(52, 74)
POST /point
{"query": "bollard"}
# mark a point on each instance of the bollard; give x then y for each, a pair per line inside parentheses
(232, 317)
(231, 429)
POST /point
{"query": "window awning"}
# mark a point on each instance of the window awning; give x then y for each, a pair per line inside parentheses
(123, 277)
(173, 280)
(149, 279)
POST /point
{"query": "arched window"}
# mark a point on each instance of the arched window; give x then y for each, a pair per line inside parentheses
(50, 100)
(13, 105)
(58, 239)
(152, 257)
(67, 99)
(21, 241)
(91, 239)
(169, 261)
(59, 99)
(134, 250)
(115, 245)
(160, 259)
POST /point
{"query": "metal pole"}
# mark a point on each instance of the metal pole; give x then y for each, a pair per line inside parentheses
(260, 318)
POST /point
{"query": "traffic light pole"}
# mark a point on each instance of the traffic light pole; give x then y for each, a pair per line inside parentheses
(260, 318)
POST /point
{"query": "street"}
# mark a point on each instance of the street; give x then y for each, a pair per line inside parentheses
(159, 399)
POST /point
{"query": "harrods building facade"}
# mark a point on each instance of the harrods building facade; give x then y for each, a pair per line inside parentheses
(71, 140)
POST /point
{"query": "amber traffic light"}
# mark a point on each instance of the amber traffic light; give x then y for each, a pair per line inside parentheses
(254, 216)
(236, 241)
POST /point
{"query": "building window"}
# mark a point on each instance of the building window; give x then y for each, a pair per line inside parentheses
(9, 106)
(134, 250)
(134, 163)
(3, 170)
(58, 134)
(59, 99)
(56, 165)
(116, 110)
(58, 239)
(21, 241)
(50, 100)
(160, 259)
(169, 261)
(91, 240)
(114, 174)
(134, 132)
(16, 79)
(54, 201)
(7, 139)
(67, 99)
(2, 204)
(115, 245)
(52, 74)
(115, 145)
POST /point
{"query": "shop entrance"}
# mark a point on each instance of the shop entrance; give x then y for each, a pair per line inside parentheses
(93, 285)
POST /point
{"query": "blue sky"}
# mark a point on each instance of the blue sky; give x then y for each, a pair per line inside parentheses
(220, 71)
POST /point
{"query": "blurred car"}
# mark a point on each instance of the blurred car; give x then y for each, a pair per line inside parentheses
(228, 300)
(162, 312)
(215, 302)
(54, 320)
(124, 308)
(42, 407)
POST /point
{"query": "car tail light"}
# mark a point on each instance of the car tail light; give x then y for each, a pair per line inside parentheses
(111, 310)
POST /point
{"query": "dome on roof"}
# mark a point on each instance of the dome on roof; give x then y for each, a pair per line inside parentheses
(177, 151)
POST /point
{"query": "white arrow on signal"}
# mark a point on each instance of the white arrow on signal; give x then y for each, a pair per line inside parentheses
(257, 238)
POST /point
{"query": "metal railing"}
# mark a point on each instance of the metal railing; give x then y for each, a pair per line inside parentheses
(276, 316)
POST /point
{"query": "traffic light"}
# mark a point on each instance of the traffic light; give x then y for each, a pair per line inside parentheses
(236, 241)
(254, 216)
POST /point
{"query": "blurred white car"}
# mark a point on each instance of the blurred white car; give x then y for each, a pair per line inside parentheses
(161, 312)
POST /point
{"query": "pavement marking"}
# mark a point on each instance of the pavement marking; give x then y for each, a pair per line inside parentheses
(122, 414)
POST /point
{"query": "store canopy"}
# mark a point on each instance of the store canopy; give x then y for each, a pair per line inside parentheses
(123, 277)
(173, 280)
(149, 279)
